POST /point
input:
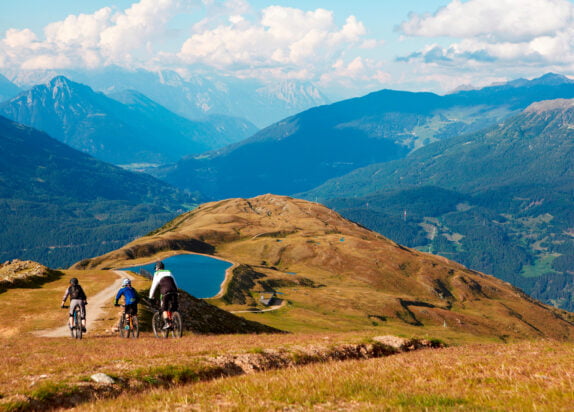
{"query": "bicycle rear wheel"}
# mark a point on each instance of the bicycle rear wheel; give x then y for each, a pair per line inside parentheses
(157, 325)
(176, 325)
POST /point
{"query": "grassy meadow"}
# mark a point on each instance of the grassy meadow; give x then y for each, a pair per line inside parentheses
(151, 374)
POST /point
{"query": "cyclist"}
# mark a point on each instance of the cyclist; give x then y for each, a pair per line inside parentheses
(77, 298)
(131, 298)
(164, 279)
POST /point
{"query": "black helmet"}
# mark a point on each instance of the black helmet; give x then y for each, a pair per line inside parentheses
(74, 281)
(159, 265)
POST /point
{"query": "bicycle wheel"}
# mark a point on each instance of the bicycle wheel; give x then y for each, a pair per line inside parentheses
(176, 325)
(135, 327)
(157, 324)
(77, 324)
(122, 327)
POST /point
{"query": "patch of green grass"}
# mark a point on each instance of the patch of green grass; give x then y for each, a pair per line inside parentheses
(14, 406)
(429, 401)
(50, 390)
(169, 374)
(541, 266)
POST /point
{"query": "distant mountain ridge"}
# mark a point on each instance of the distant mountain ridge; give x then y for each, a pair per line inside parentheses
(199, 96)
(498, 201)
(7, 89)
(303, 151)
(58, 204)
(139, 131)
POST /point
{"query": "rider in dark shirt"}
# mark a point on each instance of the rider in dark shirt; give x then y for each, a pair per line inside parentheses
(77, 298)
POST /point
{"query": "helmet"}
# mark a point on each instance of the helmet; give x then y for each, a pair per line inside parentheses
(126, 282)
(74, 281)
(159, 265)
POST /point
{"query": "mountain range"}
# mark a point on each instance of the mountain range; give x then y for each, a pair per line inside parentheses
(499, 201)
(303, 151)
(195, 98)
(139, 131)
(58, 205)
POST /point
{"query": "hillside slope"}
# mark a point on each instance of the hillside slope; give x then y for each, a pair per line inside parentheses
(498, 201)
(344, 276)
(58, 204)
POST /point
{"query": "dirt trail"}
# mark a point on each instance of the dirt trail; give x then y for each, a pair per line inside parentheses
(94, 309)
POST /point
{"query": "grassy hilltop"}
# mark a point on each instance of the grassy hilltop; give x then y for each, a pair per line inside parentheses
(338, 276)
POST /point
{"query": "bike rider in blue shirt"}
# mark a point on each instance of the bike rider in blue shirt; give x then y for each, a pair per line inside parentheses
(131, 298)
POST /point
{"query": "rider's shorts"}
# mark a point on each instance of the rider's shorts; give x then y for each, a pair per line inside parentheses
(169, 302)
(131, 309)
(80, 303)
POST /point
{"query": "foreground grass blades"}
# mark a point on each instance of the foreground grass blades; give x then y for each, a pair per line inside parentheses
(295, 372)
(518, 377)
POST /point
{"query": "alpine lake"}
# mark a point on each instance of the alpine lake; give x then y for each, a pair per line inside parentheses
(200, 276)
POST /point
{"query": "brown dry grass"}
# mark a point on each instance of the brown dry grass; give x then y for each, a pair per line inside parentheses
(523, 376)
(520, 377)
(36, 308)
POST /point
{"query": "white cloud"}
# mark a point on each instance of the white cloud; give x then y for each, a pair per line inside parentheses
(132, 29)
(90, 40)
(499, 20)
(276, 42)
(493, 37)
(19, 38)
(281, 38)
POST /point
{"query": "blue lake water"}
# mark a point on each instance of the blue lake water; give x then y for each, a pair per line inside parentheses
(200, 276)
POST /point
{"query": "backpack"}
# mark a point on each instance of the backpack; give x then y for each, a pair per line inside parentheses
(75, 292)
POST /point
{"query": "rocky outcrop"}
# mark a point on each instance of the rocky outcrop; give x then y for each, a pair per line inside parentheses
(24, 273)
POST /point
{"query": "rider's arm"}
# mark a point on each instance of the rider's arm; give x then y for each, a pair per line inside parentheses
(66, 294)
(119, 295)
(83, 295)
(154, 284)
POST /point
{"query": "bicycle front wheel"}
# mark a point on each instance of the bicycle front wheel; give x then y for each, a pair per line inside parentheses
(177, 326)
(134, 327)
(122, 326)
(77, 324)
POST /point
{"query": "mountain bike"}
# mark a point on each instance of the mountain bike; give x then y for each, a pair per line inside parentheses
(129, 325)
(175, 328)
(157, 321)
(76, 328)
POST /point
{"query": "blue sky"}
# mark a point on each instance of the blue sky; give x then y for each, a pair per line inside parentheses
(347, 48)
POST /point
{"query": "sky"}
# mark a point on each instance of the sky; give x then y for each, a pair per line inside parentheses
(346, 48)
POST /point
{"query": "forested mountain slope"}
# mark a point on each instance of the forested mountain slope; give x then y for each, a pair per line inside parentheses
(499, 201)
(303, 151)
(58, 205)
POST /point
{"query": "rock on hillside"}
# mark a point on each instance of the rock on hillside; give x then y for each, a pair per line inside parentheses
(362, 274)
(21, 273)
